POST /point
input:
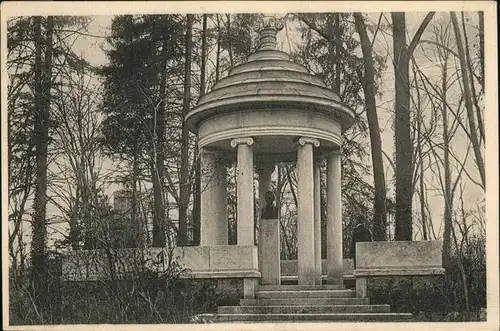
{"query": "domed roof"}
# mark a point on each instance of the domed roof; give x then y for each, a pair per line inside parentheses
(269, 80)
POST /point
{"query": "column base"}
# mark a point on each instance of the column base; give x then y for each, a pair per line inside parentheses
(361, 287)
(250, 286)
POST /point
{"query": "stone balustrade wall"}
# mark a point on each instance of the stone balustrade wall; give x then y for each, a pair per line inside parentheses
(222, 261)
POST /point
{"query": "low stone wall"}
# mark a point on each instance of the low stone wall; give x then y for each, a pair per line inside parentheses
(197, 261)
(395, 259)
(399, 257)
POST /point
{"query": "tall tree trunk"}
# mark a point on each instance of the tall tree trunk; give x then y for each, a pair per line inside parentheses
(481, 46)
(182, 238)
(404, 148)
(462, 273)
(379, 215)
(217, 55)
(74, 235)
(337, 33)
(134, 217)
(470, 68)
(468, 101)
(17, 232)
(197, 179)
(203, 57)
(332, 59)
(230, 42)
(448, 199)
(158, 169)
(420, 167)
(290, 182)
(43, 75)
(421, 177)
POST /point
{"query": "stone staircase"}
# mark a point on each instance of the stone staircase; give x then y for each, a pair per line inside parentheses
(293, 303)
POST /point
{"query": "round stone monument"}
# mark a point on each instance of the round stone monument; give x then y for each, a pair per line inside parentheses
(266, 111)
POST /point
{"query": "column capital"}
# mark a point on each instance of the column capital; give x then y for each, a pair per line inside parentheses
(307, 140)
(245, 140)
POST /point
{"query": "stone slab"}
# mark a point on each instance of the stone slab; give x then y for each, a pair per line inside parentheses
(306, 309)
(225, 261)
(304, 301)
(399, 254)
(353, 317)
(233, 257)
(300, 287)
(194, 258)
(410, 271)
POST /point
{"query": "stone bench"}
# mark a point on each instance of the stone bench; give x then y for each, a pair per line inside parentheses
(396, 258)
(198, 262)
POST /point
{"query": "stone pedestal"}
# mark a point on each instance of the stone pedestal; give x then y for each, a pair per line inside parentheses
(269, 252)
(305, 212)
(214, 224)
(265, 171)
(334, 220)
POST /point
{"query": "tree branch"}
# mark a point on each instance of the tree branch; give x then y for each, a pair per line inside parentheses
(420, 31)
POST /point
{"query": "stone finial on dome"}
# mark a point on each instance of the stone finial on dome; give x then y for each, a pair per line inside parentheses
(268, 27)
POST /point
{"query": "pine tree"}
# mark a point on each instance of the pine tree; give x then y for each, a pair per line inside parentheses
(140, 97)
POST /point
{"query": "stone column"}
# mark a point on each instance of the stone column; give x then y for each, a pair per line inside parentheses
(214, 224)
(334, 220)
(244, 190)
(305, 212)
(317, 222)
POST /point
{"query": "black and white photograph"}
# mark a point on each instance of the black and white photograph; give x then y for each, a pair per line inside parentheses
(234, 165)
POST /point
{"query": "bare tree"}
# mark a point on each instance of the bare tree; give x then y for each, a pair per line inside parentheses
(182, 238)
(43, 83)
(481, 46)
(197, 161)
(379, 214)
(476, 144)
(77, 169)
(404, 148)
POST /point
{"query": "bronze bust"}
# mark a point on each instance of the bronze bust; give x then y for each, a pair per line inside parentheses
(269, 211)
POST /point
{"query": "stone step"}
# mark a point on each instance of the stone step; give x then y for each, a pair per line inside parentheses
(352, 317)
(299, 287)
(305, 294)
(294, 278)
(304, 309)
(304, 302)
(349, 280)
